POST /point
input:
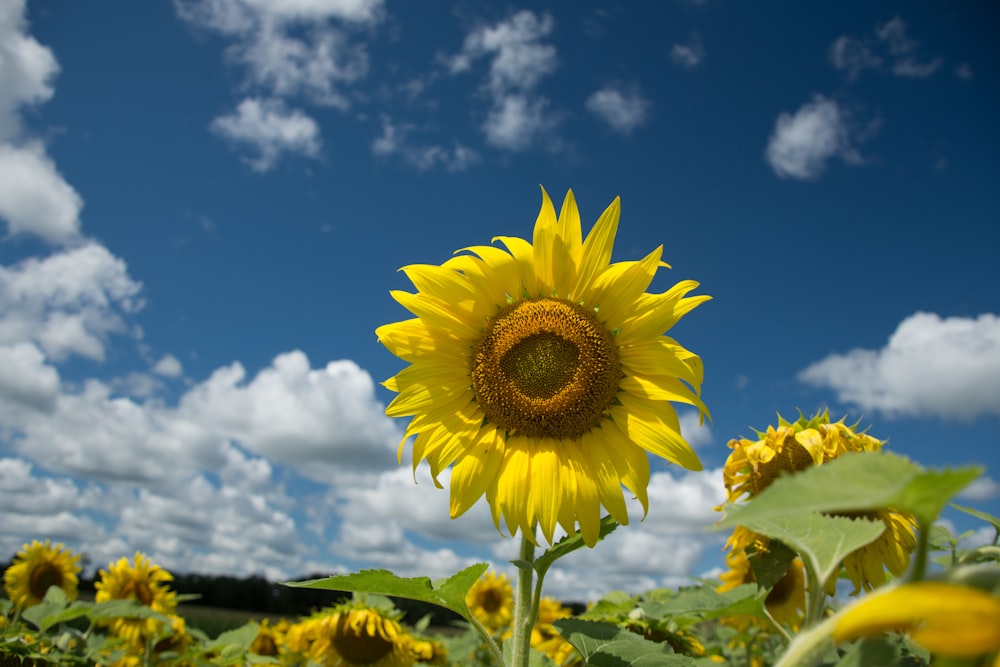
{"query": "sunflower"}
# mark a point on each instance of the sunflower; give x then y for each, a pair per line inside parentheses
(544, 636)
(543, 375)
(36, 568)
(491, 601)
(352, 633)
(786, 601)
(270, 638)
(143, 582)
(794, 446)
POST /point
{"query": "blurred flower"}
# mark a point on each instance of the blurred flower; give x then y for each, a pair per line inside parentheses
(546, 639)
(37, 567)
(429, 652)
(269, 637)
(491, 601)
(143, 582)
(542, 373)
(786, 601)
(352, 633)
(794, 446)
(947, 619)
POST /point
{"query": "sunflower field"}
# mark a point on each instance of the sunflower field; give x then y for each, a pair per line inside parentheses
(542, 376)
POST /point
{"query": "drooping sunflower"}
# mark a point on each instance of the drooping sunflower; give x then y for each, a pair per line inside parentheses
(543, 375)
(37, 567)
(491, 601)
(786, 601)
(352, 633)
(794, 446)
(141, 581)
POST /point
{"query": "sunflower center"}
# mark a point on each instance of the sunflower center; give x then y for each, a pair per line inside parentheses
(42, 577)
(792, 457)
(138, 590)
(491, 600)
(784, 588)
(357, 647)
(546, 368)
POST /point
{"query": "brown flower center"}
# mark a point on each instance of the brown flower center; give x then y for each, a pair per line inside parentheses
(491, 600)
(359, 648)
(139, 591)
(42, 577)
(546, 368)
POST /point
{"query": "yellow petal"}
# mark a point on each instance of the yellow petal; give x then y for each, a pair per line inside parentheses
(473, 474)
(544, 243)
(597, 248)
(653, 432)
(946, 619)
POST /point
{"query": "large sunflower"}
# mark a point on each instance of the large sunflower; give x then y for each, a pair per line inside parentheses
(794, 446)
(491, 601)
(36, 568)
(542, 373)
(143, 582)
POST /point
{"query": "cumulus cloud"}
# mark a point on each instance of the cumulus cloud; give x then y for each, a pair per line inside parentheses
(168, 366)
(931, 366)
(890, 44)
(519, 60)
(394, 141)
(802, 143)
(982, 488)
(26, 69)
(271, 130)
(67, 303)
(623, 110)
(688, 55)
(34, 198)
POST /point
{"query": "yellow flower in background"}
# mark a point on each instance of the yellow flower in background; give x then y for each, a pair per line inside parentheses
(143, 582)
(546, 639)
(947, 619)
(352, 633)
(491, 601)
(270, 638)
(37, 567)
(543, 375)
(786, 601)
(794, 446)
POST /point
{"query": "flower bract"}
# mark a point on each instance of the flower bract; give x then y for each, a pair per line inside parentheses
(541, 374)
(36, 568)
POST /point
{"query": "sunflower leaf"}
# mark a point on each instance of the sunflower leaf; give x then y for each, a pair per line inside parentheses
(822, 541)
(988, 518)
(569, 544)
(857, 482)
(448, 593)
(608, 645)
(706, 603)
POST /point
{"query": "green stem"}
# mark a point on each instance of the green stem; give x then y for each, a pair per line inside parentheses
(816, 599)
(523, 604)
(919, 568)
(807, 645)
(490, 642)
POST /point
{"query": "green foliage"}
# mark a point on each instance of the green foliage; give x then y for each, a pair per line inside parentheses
(608, 645)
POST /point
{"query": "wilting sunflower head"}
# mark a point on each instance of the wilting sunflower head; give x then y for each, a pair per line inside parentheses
(789, 447)
(543, 375)
(353, 633)
(491, 601)
(141, 581)
(37, 567)
(786, 601)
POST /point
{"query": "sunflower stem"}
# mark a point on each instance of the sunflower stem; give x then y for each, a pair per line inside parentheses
(919, 568)
(524, 604)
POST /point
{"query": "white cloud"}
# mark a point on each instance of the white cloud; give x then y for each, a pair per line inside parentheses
(982, 488)
(241, 16)
(803, 142)
(519, 116)
(393, 141)
(697, 434)
(268, 127)
(26, 69)
(26, 380)
(623, 110)
(168, 366)
(931, 366)
(34, 198)
(964, 72)
(67, 303)
(688, 55)
(852, 56)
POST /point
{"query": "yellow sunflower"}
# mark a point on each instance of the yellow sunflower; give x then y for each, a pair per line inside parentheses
(786, 601)
(36, 568)
(270, 638)
(543, 375)
(491, 601)
(143, 582)
(794, 446)
(350, 634)
(544, 636)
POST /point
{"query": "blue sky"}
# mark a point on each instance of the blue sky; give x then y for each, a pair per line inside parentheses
(204, 205)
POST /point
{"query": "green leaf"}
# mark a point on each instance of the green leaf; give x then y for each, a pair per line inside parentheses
(707, 603)
(123, 609)
(857, 482)
(569, 544)
(770, 566)
(54, 608)
(607, 645)
(448, 593)
(234, 642)
(988, 518)
(822, 541)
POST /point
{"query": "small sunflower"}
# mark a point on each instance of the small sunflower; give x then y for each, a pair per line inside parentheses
(350, 634)
(794, 446)
(143, 582)
(37, 567)
(786, 601)
(270, 638)
(491, 601)
(543, 375)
